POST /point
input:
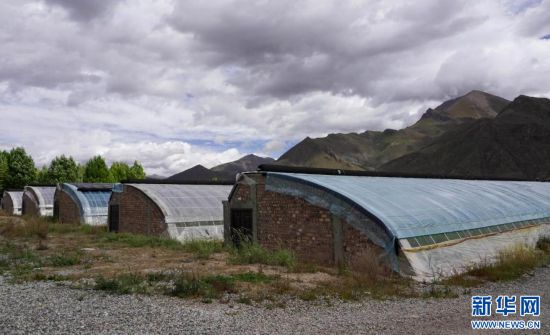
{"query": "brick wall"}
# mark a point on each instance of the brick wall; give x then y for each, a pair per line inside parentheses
(30, 207)
(138, 214)
(242, 193)
(289, 222)
(68, 209)
(7, 204)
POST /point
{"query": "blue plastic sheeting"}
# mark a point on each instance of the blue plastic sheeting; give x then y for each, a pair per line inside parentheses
(93, 205)
(411, 207)
(187, 203)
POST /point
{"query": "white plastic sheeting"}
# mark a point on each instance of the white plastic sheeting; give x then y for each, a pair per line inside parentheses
(43, 196)
(92, 201)
(190, 211)
(449, 260)
(16, 199)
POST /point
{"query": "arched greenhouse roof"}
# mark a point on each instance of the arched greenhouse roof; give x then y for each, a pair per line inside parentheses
(410, 207)
(92, 200)
(44, 194)
(187, 203)
(16, 198)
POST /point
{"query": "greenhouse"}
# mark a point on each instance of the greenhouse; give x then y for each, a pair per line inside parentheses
(12, 202)
(179, 211)
(82, 203)
(423, 227)
(38, 200)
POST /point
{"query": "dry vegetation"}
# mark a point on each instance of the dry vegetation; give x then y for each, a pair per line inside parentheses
(510, 264)
(91, 257)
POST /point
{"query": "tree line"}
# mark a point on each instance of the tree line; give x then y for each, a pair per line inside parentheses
(17, 169)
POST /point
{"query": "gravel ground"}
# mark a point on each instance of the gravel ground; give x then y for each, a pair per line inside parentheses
(48, 308)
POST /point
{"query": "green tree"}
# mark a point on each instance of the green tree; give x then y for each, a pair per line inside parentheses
(63, 169)
(119, 171)
(96, 171)
(43, 176)
(81, 171)
(4, 168)
(21, 169)
(136, 172)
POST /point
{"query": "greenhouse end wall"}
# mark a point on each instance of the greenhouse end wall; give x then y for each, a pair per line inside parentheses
(30, 206)
(138, 214)
(68, 209)
(311, 232)
(7, 204)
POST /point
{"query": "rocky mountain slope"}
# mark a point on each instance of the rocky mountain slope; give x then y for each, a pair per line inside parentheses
(371, 149)
(515, 144)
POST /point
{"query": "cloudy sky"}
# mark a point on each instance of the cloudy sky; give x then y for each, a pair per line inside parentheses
(177, 83)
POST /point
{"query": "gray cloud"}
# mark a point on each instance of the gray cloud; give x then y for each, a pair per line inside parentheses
(85, 10)
(163, 80)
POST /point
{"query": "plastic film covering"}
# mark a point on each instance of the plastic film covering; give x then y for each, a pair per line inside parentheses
(436, 263)
(190, 211)
(93, 204)
(44, 197)
(410, 207)
(17, 200)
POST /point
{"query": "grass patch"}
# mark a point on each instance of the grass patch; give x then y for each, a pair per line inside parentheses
(27, 228)
(140, 241)
(126, 283)
(85, 229)
(64, 260)
(510, 264)
(179, 284)
(252, 253)
(254, 277)
(203, 249)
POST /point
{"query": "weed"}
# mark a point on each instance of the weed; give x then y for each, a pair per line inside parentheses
(30, 227)
(254, 277)
(251, 253)
(308, 295)
(123, 284)
(203, 249)
(244, 299)
(64, 260)
(510, 263)
(187, 286)
(139, 241)
(304, 267)
(220, 283)
(64, 228)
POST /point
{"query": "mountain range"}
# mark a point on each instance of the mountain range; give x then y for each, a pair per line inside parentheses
(476, 135)
(371, 149)
(223, 172)
(514, 144)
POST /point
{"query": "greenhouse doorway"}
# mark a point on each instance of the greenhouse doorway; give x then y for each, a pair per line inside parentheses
(241, 226)
(113, 218)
